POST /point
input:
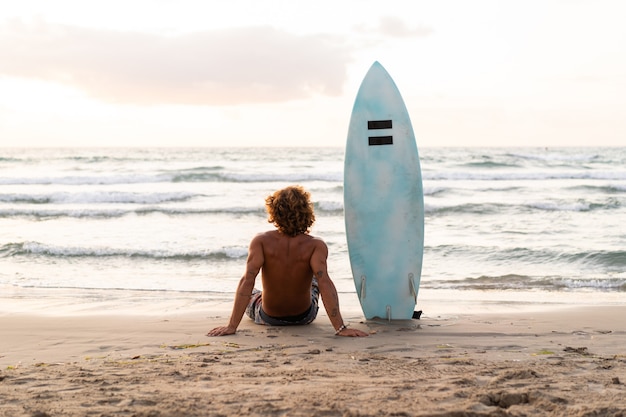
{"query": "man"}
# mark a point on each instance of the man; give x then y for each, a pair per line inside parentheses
(294, 271)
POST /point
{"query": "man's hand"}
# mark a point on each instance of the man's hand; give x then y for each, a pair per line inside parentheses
(222, 331)
(351, 333)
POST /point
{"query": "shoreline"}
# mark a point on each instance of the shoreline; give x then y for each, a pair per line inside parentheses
(555, 361)
(84, 301)
(65, 338)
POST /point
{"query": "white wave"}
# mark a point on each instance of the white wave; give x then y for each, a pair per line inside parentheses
(98, 197)
(489, 174)
(284, 177)
(597, 284)
(37, 248)
(330, 205)
(90, 212)
(433, 190)
(524, 175)
(87, 180)
(554, 206)
(75, 213)
(42, 249)
(235, 252)
(554, 156)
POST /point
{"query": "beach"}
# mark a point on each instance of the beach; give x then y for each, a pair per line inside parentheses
(115, 263)
(554, 360)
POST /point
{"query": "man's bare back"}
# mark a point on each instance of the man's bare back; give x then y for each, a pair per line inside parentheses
(286, 272)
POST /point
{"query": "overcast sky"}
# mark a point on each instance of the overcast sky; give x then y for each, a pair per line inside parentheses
(285, 73)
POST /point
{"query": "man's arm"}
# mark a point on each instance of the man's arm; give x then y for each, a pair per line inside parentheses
(244, 289)
(329, 292)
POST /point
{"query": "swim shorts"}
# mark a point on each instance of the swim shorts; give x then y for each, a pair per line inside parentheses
(256, 313)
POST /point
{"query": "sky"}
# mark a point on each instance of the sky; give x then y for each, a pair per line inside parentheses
(285, 73)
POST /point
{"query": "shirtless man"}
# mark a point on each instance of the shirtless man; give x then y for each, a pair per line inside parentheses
(293, 271)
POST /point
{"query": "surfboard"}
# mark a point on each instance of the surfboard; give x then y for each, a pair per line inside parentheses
(383, 200)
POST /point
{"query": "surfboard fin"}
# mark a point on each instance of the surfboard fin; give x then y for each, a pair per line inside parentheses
(412, 288)
(362, 292)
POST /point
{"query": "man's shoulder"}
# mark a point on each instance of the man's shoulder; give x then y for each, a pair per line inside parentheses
(312, 239)
(318, 242)
(269, 234)
(276, 235)
(317, 239)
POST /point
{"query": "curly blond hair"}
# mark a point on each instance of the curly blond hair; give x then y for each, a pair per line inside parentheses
(290, 210)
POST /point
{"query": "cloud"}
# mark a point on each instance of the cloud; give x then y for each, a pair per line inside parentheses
(217, 67)
(394, 27)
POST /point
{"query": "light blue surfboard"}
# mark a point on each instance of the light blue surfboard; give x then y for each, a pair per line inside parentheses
(383, 200)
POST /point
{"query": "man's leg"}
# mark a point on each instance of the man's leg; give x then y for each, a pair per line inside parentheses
(315, 297)
(254, 307)
(315, 291)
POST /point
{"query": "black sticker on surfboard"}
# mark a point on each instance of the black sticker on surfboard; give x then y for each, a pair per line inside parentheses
(379, 124)
(380, 140)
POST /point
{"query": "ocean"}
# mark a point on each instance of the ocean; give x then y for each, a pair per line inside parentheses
(123, 229)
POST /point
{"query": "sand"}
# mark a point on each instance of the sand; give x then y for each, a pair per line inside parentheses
(559, 361)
